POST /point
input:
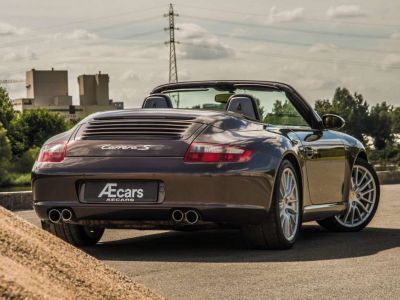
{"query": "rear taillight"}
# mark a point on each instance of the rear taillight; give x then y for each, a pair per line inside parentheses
(53, 152)
(216, 153)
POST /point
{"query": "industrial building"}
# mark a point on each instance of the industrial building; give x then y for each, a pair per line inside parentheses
(49, 89)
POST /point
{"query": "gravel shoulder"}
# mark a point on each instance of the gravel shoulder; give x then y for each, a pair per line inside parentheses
(36, 265)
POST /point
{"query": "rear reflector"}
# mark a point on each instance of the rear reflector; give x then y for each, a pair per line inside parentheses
(215, 153)
(54, 152)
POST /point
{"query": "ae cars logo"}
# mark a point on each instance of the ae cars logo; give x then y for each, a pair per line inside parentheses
(115, 194)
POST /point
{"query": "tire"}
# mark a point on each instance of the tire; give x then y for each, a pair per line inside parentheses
(77, 235)
(270, 233)
(347, 222)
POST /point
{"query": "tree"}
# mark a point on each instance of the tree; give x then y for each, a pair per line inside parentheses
(381, 125)
(33, 128)
(323, 107)
(261, 109)
(5, 155)
(395, 118)
(353, 108)
(7, 112)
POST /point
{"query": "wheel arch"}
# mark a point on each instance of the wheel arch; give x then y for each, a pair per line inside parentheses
(293, 159)
(362, 154)
(290, 156)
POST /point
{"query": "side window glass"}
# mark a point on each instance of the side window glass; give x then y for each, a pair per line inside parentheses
(276, 109)
(284, 113)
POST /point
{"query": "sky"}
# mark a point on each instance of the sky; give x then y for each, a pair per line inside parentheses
(315, 46)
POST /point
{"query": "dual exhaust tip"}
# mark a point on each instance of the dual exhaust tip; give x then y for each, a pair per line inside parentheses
(189, 217)
(57, 216)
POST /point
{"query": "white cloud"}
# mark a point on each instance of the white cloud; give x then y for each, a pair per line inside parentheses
(285, 15)
(191, 31)
(197, 43)
(185, 75)
(238, 32)
(314, 83)
(391, 61)
(14, 56)
(322, 48)
(8, 29)
(77, 35)
(395, 35)
(130, 76)
(344, 11)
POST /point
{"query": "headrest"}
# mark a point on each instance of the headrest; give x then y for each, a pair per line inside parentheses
(157, 101)
(243, 104)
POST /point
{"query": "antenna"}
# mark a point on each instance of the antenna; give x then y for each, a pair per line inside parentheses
(173, 70)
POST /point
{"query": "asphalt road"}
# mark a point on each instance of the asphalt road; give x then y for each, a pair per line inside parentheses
(215, 264)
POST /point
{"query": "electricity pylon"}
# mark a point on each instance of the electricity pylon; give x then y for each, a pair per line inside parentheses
(173, 70)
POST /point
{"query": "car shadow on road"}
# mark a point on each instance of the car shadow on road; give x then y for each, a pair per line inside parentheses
(314, 244)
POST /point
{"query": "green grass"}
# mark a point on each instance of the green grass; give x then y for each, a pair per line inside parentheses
(18, 179)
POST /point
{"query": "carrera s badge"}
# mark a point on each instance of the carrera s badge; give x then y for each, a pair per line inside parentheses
(125, 147)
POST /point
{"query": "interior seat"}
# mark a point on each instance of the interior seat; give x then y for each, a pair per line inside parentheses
(243, 104)
(157, 101)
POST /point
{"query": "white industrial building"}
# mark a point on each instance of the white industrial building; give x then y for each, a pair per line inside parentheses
(49, 89)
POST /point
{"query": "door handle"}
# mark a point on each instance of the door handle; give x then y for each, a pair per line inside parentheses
(310, 152)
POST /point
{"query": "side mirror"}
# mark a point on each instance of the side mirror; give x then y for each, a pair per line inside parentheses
(333, 121)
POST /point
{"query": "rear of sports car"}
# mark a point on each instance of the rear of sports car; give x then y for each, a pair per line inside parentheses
(153, 169)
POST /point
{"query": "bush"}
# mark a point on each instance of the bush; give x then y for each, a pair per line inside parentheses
(33, 128)
(24, 163)
(5, 156)
(16, 179)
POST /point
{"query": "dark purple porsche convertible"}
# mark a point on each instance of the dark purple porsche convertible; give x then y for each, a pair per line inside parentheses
(251, 155)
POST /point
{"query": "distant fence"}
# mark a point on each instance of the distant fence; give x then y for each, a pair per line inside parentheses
(23, 200)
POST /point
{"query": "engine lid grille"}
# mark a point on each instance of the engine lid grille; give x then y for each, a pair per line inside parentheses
(124, 128)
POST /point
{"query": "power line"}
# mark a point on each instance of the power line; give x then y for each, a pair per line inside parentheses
(303, 44)
(40, 38)
(127, 23)
(358, 63)
(305, 18)
(96, 18)
(150, 32)
(173, 70)
(299, 30)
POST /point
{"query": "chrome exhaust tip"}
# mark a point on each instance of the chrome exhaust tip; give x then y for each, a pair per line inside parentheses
(177, 216)
(191, 217)
(54, 216)
(66, 215)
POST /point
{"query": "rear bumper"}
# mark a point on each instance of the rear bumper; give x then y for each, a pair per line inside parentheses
(110, 216)
(233, 193)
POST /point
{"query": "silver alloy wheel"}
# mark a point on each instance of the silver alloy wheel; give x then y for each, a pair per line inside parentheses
(362, 198)
(289, 204)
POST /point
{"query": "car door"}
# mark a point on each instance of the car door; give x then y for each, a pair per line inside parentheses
(325, 159)
(323, 151)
